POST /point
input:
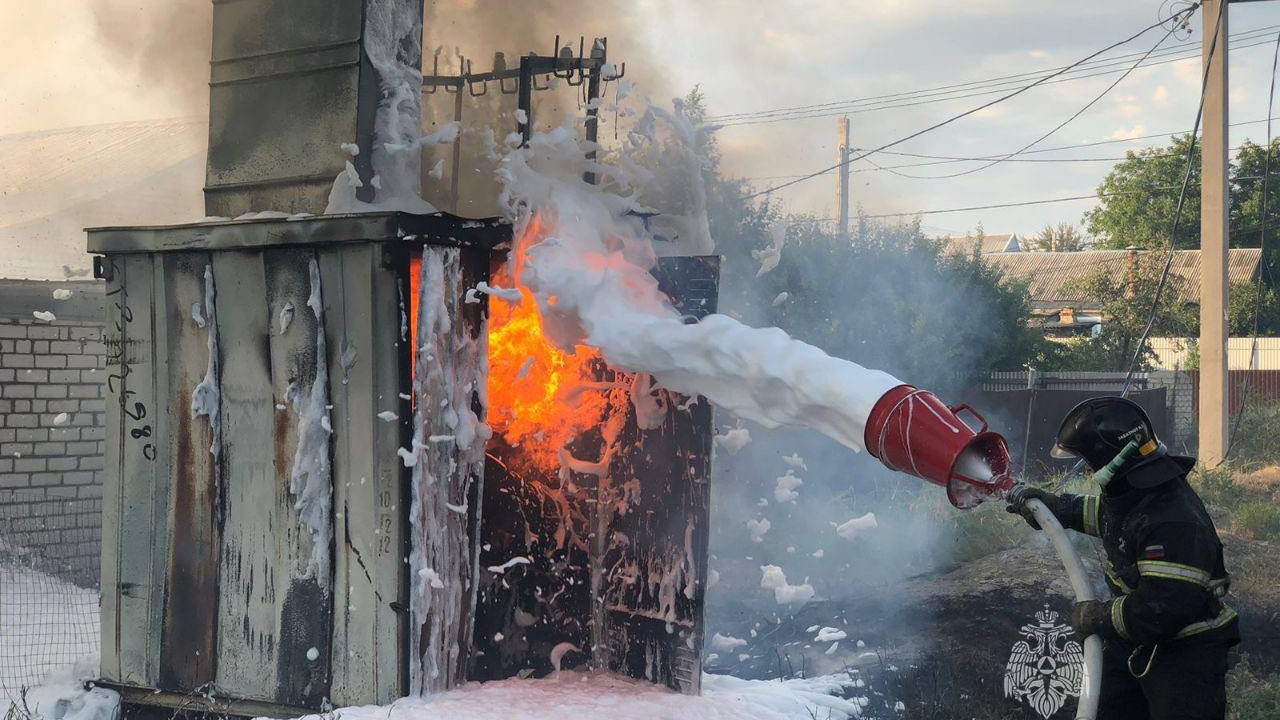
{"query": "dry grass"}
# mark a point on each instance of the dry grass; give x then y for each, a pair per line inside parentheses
(1264, 480)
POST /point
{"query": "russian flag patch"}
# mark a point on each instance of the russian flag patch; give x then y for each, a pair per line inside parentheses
(1153, 552)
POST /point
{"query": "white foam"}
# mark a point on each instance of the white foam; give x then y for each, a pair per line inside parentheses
(590, 277)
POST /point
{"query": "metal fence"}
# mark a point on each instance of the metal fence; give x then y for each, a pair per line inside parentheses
(47, 624)
(1076, 380)
(1242, 352)
(51, 466)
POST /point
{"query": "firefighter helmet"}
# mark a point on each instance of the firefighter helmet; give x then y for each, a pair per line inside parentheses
(1097, 429)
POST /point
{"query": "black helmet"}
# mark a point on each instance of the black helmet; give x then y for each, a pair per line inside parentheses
(1097, 430)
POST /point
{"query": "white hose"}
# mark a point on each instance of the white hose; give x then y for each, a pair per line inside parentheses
(1091, 682)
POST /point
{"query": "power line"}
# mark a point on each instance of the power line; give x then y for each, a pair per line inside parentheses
(1177, 215)
(1054, 129)
(944, 159)
(909, 98)
(971, 111)
(1002, 79)
(1016, 203)
(1262, 259)
(857, 110)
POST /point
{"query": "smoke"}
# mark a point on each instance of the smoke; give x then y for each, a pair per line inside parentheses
(161, 43)
(476, 30)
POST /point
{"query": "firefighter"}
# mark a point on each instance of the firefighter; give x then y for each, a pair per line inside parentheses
(1166, 631)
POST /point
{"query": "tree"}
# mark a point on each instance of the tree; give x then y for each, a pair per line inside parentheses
(887, 298)
(1139, 197)
(1125, 317)
(1063, 237)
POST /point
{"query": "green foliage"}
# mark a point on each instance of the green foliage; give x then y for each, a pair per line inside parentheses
(1244, 301)
(887, 298)
(1255, 438)
(1250, 694)
(1126, 315)
(1258, 520)
(1139, 197)
(1063, 237)
(1242, 502)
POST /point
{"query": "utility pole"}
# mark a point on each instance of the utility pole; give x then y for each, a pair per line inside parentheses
(842, 181)
(1214, 239)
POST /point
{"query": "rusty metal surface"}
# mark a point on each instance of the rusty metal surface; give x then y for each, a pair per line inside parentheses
(654, 629)
(203, 576)
(294, 368)
(391, 228)
(187, 652)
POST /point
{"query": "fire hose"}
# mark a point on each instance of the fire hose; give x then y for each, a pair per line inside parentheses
(1091, 678)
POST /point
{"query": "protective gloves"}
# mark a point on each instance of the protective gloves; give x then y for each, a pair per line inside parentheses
(1022, 493)
(1090, 617)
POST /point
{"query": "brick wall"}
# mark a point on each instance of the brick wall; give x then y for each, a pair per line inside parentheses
(51, 465)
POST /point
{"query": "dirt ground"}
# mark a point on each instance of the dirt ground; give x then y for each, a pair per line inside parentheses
(939, 643)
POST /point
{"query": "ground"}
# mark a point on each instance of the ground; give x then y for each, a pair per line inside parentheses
(939, 642)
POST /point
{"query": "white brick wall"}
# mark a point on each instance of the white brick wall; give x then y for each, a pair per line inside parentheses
(50, 475)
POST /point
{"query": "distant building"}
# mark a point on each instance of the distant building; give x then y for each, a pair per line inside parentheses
(985, 244)
(1054, 280)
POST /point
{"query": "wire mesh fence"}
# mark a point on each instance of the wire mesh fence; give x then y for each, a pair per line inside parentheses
(48, 622)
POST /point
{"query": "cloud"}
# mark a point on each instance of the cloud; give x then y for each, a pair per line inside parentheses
(1122, 134)
(1160, 94)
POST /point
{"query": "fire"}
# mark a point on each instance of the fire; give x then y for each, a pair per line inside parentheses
(540, 397)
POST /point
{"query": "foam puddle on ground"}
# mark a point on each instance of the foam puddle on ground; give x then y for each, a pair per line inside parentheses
(605, 696)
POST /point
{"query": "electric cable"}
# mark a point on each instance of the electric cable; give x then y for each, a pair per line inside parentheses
(948, 159)
(1054, 129)
(1262, 245)
(953, 118)
(1177, 215)
(1118, 60)
(908, 103)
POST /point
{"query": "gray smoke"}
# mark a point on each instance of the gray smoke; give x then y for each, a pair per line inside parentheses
(165, 43)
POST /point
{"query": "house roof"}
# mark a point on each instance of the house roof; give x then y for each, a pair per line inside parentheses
(55, 183)
(1053, 278)
(988, 244)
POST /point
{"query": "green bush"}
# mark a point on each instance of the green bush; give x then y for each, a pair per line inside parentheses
(1259, 520)
(1251, 696)
(1219, 489)
(1254, 439)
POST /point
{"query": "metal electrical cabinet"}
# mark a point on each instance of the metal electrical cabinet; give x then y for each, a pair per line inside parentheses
(211, 581)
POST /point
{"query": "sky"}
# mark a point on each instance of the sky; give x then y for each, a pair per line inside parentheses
(86, 62)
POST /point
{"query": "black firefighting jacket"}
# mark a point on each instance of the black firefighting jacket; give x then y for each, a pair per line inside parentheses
(1164, 558)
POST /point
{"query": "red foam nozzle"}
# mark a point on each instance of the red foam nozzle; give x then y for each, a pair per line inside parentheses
(912, 431)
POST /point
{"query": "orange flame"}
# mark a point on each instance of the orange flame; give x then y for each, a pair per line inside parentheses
(540, 397)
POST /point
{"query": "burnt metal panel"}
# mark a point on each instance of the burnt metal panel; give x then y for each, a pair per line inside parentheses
(271, 610)
(251, 585)
(274, 62)
(390, 227)
(448, 478)
(362, 312)
(655, 532)
(303, 608)
(618, 565)
(187, 652)
(204, 575)
(133, 549)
